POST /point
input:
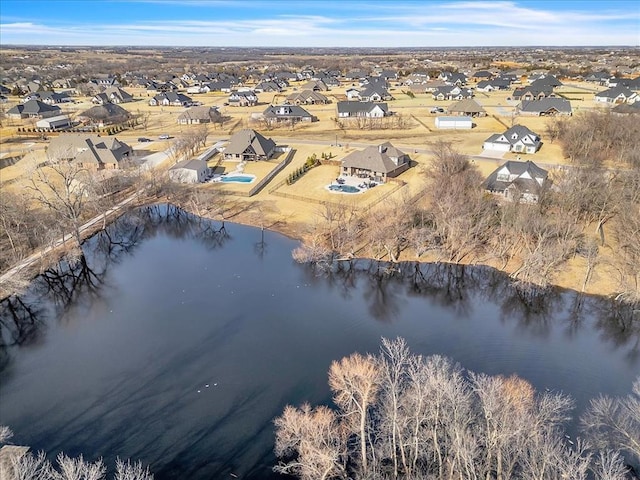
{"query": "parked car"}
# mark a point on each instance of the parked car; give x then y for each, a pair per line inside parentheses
(144, 139)
(437, 110)
(164, 136)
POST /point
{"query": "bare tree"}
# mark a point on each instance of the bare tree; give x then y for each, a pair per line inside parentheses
(131, 471)
(31, 467)
(615, 422)
(609, 465)
(5, 434)
(64, 188)
(317, 440)
(354, 381)
(77, 469)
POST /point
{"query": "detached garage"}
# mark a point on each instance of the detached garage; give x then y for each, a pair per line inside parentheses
(456, 123)
(54, 123)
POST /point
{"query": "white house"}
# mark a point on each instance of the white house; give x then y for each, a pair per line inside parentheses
(516, 139)
(189, 171)
(456, 123)
(362, 109)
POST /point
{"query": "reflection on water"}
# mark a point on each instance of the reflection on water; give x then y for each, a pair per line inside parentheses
(177, 340)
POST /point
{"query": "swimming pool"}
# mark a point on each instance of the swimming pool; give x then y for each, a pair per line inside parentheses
(344, 189)
(238, 178)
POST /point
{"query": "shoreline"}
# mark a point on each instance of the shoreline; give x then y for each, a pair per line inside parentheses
(282, 227)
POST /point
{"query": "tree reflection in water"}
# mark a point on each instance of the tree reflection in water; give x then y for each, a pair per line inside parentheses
(534, 310)
(23, 317)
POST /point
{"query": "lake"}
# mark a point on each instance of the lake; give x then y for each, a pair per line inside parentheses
(177, 342)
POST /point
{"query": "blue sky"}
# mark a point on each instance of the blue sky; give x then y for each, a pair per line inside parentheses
(328, 23)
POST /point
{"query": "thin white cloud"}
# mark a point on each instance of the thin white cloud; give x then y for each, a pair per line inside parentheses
(405, 24)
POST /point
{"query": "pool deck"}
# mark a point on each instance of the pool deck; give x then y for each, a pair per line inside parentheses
(351, 182)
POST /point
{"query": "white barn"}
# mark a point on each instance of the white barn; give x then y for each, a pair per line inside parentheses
(456, 123)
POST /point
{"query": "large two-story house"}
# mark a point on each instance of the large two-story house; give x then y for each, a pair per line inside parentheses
(517, 181)
(516, 139)
(249, 145)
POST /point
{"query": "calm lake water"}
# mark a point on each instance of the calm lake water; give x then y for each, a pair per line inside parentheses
(113, 357)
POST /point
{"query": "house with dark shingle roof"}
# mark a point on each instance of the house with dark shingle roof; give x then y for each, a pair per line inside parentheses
(287, 114)
(49, 97)
(532, 92)
(249, 145)
(617, 94)
(493, 85)
(626, 109)
(171, 99)
(516, 139)
(34, 109)
(106, 114)
(378, 163)
(550, 106)
(362, 109)
(517, 181)
(451, 92)
(243, 99)
(374, 92)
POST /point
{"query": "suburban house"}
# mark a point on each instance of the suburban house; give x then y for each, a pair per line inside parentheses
(112, 95)
(170, 99)
(33, 109)
(307, 97)
(362, 109)
(626, 109)
(618, 94)
(101, 115)
(89, 151)
(287, 114)
(374, 92)
(532, 92)
(598, 77)
(316, 86)
(455, 123)
(49, 97)
(467, 107)
(189, 171)
(199, 114)
(271, 86)
(481, 75)
(549, 106)
(453, 78)
(376, 163)
(243, 99)
(59, 122)
(543, 80)
(249, 145)
(352, 93)
(516, 139)
(195, 89)
(493, 85)
(451, 92)
(517, 181)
